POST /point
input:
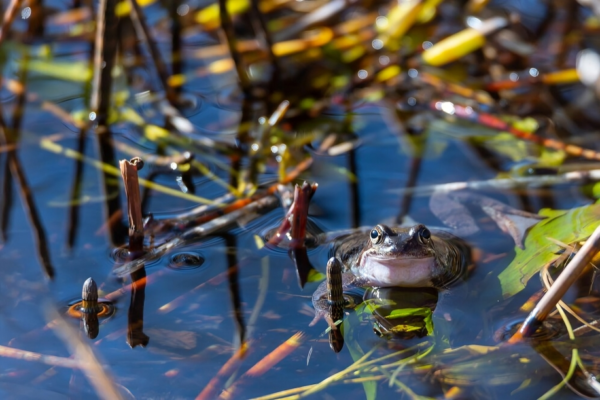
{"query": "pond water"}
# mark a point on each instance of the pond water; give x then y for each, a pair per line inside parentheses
(181, 334)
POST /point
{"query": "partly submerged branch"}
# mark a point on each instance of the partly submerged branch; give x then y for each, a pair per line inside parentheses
(569, 275)
(197, 232)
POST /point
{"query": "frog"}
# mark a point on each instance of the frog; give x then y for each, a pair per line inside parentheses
(419, 256)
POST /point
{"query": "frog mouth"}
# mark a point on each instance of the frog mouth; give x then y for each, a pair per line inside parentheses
(403, 272)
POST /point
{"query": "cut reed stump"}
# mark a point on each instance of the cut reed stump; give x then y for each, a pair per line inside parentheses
(129, 172)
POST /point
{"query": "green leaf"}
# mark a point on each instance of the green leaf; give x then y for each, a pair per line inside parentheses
(566, 226)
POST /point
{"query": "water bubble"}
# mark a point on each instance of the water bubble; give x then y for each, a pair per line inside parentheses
(185, 261)
(26, 13)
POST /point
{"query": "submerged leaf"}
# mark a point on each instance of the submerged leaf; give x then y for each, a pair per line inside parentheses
(565, 226)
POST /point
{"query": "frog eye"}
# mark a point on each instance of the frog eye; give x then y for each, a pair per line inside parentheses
(376, 236)
(424, 234)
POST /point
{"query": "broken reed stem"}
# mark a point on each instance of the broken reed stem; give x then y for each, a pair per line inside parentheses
(129, 172)
(227, 26)
(176, 45)
(262, 31)
(105, 48)
(13, 133)
(143, 33)
(300, 217)
(296, 217)
(567, 277)
(73, 217)
(9, 17)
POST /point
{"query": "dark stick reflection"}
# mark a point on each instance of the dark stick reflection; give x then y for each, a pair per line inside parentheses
(354, 193)
(36, 19)
(235, 178)
(13, 138)
(227, 26)
(28, 203)
(234, 288)
(73, 223)
(303, 266)
(413, 174)
(7, 191)
(10, 138)
(176, 54)
(135, 315)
